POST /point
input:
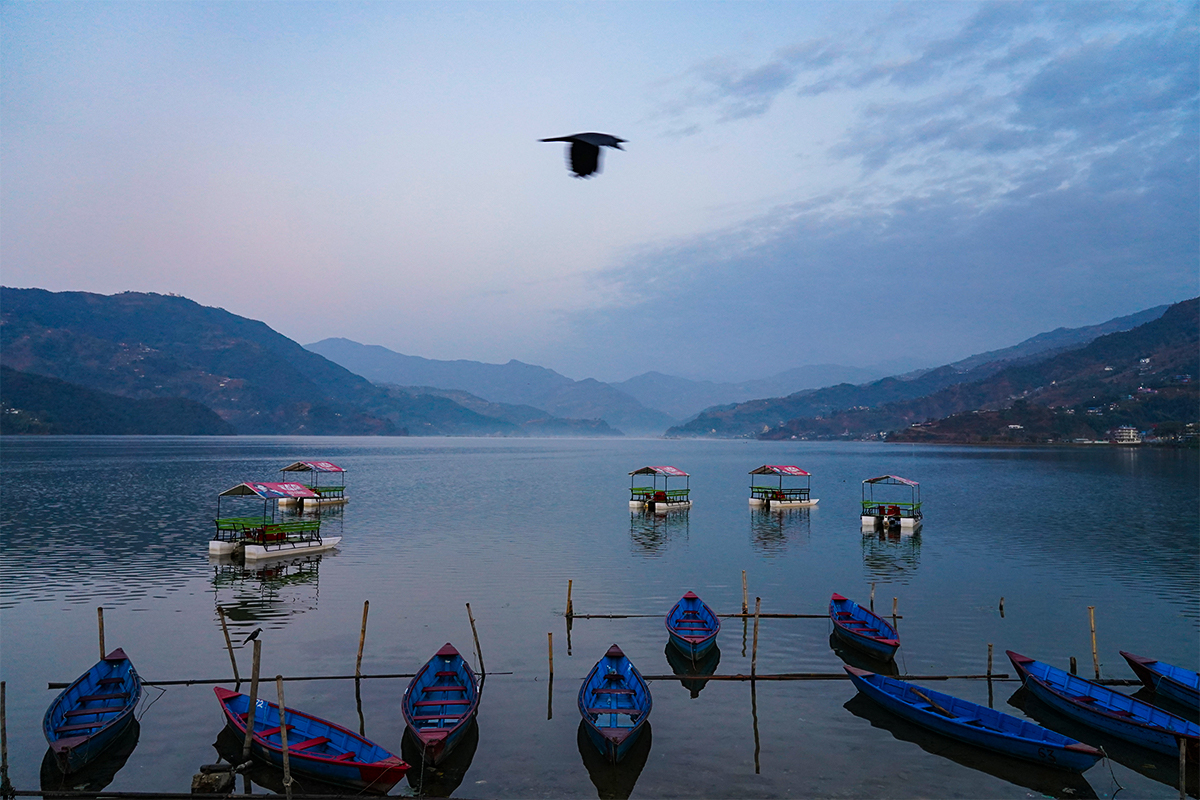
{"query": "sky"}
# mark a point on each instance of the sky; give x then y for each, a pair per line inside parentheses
(854, 183)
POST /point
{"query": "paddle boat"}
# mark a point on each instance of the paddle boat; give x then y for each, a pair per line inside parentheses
(92, 713)
(1112, 712)
(692, 626)
(329, 495)
(262, 536)
(1174, 683)
(316, 747)
(861, 629)
(780, 496)
(887, 513)
(440, 702)
(655, 500)
(615, 703)
(974, 724)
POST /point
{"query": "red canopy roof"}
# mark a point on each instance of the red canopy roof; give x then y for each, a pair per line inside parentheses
(892, 479)
(269, 491)
(779, 469)
(672, 472)
(312, 466)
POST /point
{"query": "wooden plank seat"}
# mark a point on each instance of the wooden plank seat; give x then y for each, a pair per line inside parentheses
(437, 716)
(309, 743)
(612, 691)
(110, 681)
(82, 726)
(633, 712)
(445, 674)
(81, 712)
(347, 756)
(445, 689)
(113, 696)
(691, 623)
(441, 702)
(273, 731)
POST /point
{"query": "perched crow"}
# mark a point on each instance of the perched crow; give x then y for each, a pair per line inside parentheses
(252, 636)
(584, 153)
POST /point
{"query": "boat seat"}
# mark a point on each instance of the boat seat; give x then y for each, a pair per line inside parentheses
(347, 756)
(80, 712)
(309, 743)
(417, 703)
(273, 731)
(633, 712)
(87, 698)
(445, 674)
(1119, 712)
(612, 691)
(445, 689)
(437, 716)
(110, 681)
(1082, 699)
(82, 726)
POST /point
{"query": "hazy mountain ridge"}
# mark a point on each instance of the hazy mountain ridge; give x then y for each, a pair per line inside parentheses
(528, 420)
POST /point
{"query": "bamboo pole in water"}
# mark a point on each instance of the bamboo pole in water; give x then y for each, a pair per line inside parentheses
(550, 647)
(6, 787)
(570, 609)
(1074, 668)
(100, 625)
(745, 596)
(1182, 768)
(253, 704)
(362, 638)
(754, 650)
(478, 651)
(1095, 655)
(283, 729)
(872, 598)
(228, 644)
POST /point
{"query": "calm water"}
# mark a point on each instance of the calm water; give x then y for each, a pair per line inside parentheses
(504, 524)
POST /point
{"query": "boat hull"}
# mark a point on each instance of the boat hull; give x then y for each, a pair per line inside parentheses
(861, 629)
(439, 704)
(372, 768)
(1165, 680)
(615, 703)
(975, 724)
(692, 627)
(1103, 709)
(110, 689)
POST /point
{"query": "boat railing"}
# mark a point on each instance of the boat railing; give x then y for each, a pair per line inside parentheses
(797, 495)
(286, 532)
(328, 492)
(232, 528)
(873, 508)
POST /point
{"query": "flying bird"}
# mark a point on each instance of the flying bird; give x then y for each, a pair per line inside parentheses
(584, 153)
(252, 636)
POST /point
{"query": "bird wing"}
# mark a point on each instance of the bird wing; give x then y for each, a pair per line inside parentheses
(585, 158)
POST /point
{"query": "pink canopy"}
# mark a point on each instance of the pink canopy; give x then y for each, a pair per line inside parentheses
(269, 491)
(780, 469)
(892, 479)
(671, 472)
(312, 466)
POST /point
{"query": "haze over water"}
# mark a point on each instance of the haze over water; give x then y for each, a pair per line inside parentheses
(503, 524)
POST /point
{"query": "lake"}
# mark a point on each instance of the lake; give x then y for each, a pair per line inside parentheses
(504, 524)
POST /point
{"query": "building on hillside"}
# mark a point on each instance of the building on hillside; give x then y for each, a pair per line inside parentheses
(1127, 434)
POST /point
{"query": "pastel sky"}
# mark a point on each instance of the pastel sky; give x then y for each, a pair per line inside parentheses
(803, 183)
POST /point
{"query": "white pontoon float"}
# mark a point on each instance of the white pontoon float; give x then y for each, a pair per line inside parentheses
(890, 514)
(655, 500)
(262, 536)
(328, 495)
(780, 496)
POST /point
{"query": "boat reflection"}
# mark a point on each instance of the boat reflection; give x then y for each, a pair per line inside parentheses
(440, 781)
(1046, 781)
(614, 781)
(890, 556)
(271, 590)
(771, 531)
(267, 776)
(1153, 765)
(651, 533)
(854, 658)
(693, 670)
(97, 773)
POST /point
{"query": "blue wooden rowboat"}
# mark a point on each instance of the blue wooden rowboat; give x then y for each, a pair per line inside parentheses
(974, 724)
(1175, 683)
(92, 712)
(316, 747)
(692, 626)
(615, 704)
(1109, 711)
(440, 702)
(861, 629)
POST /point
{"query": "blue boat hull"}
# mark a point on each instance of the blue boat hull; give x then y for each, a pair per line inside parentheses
(440, 702)
(1174, 683)
(864, 631)
(692, 627)
(615, 703)
(92, 713)
(1103, 709)
(975, 724)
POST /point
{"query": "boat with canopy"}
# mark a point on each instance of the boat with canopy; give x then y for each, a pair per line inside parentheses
(780, 496)
(658, 500)
(332, 493)
(885, 511)
(263, 536)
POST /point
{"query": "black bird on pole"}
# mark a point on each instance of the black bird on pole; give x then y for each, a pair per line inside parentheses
(252, 636)
(583, 155)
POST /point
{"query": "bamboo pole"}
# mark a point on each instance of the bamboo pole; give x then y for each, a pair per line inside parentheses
(745, 596)
(253, 704)
(989, 672)
(219, 681)
(754, 651)
(362, 638)
(6, 787)
(1182, 768)
(895, 616)
(478, 651)
(754, 716)
(991, 700)
(1001, 608)
(1074, 669)
(228, 644)
(100, 625)
(1095, 654)
(570, 608)
(872, 598)
(550, 648)
(283, 729)
(837, 676)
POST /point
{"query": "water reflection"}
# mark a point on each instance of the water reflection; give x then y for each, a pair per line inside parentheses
(694, 670)
(229, 748)
(99, 772)
(854, 658)
(890, 556)
(1153, 765)
(268, 592)
(440, 781)
(1044, 780)
(770, 531)
(614, 781)
(651, 533)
